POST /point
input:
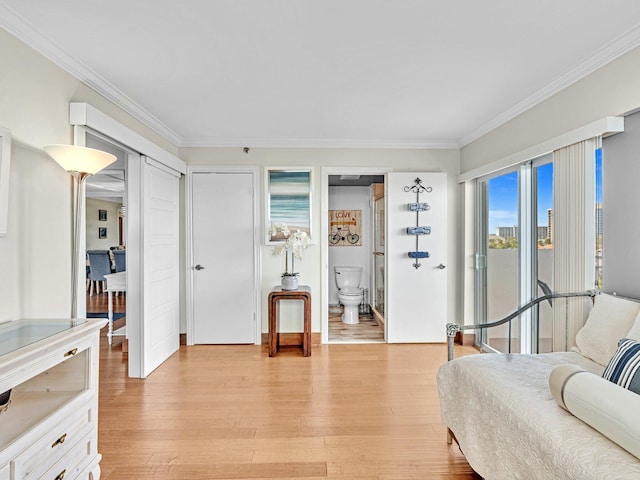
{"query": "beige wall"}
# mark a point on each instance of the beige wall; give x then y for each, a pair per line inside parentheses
(111, 224)
(612, 90)
(310, 267)
(35, 255)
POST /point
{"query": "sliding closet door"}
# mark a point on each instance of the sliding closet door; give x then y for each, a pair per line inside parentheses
(161, 251)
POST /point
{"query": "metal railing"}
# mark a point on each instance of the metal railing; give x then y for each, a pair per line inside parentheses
(454, 328)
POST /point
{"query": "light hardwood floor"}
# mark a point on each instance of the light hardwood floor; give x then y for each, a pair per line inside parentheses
(358, 412)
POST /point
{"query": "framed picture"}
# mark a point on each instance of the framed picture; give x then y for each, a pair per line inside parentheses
(102, 215)
(288, 201)
(345, 228)
(102, 232)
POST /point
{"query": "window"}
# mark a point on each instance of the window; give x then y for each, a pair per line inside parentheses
(516, 254)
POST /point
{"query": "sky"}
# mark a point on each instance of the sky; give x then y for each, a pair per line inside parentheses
(503, 198)
(503, 195)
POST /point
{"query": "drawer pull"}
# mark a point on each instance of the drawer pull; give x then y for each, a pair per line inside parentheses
(59, 441)
(61, 475)
(71, 353)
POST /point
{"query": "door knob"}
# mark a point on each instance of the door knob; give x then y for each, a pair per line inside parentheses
(441, 267)
(199, 267)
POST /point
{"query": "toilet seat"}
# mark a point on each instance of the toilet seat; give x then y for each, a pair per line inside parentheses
(350, 292)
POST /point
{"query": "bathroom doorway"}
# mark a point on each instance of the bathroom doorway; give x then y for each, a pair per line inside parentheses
(355, 258)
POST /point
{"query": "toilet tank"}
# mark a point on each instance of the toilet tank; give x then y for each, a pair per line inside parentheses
(347, 277)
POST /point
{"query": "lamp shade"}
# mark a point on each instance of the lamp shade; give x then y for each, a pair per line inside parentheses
(80, 159)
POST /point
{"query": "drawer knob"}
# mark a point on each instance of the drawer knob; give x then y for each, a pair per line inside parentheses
(61, 474)
(71, 353)
(59, 441)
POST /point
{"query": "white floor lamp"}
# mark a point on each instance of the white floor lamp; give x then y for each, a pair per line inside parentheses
(79, 162)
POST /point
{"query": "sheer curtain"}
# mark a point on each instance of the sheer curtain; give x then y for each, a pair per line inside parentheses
(573, 236)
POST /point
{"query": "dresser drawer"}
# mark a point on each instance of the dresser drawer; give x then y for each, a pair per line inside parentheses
(54, 445)
(72, 462)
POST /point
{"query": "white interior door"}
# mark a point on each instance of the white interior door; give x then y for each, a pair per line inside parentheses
(161, 250)
(223, 253)
(416, 308)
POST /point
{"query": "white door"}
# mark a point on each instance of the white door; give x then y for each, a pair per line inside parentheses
(161, 287)
(223, 253)
(416, 309)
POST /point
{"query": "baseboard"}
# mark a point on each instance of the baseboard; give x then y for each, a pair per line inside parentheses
(285, 339)
(292, 339)
(465, 338)
(469, 339)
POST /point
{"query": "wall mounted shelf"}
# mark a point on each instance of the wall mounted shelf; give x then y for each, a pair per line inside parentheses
(418, 230)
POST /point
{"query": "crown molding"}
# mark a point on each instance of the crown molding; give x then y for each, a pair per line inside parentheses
(318, 143)
(618, 47)
(25, 32)
(17, 26)
(603, 127)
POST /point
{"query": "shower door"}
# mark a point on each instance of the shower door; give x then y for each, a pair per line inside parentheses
(378, 256)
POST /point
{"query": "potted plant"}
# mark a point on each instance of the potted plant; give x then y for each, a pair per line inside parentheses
(292, 247)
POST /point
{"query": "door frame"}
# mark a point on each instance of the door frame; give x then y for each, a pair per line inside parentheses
(83, 116)
(257, 304)
(325, 276)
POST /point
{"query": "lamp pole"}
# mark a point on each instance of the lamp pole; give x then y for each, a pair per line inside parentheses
(79, 180)
(79, 162)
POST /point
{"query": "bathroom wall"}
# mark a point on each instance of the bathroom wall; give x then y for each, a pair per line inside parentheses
(351, 198)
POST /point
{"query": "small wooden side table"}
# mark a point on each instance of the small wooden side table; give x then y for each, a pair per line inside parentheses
(277, 293)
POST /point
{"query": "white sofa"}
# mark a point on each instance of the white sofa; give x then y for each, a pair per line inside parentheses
(502, 414)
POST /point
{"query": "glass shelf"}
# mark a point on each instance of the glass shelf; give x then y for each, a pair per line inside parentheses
(18, 334)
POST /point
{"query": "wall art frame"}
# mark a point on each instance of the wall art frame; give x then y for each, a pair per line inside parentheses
(288, 200)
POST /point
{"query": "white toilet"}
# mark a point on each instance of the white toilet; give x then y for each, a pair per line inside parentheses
(349, 293)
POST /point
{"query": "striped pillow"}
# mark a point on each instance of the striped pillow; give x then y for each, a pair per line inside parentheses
(624, 367)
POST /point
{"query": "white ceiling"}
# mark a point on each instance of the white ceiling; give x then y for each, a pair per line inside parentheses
(371, 73)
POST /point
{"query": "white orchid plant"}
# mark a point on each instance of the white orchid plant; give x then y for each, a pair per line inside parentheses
(294, 244)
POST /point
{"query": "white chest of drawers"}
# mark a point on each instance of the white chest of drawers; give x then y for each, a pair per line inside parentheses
(50, 429)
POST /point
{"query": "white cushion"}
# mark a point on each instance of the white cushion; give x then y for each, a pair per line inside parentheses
(610, 409)
(634, 333)
(610, 319)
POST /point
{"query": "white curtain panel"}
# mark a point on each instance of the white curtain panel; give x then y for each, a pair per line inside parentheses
(573, 235)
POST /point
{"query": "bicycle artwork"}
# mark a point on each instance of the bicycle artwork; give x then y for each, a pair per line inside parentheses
(344, 227)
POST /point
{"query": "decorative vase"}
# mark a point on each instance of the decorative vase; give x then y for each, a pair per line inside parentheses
(289, 282)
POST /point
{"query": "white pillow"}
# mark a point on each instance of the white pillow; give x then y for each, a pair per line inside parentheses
(634, 333)
(610, 409)
(610, 319)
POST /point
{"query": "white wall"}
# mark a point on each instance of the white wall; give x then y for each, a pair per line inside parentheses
(111, 224)
(351, 198)
(620, 173)
(35, 253)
